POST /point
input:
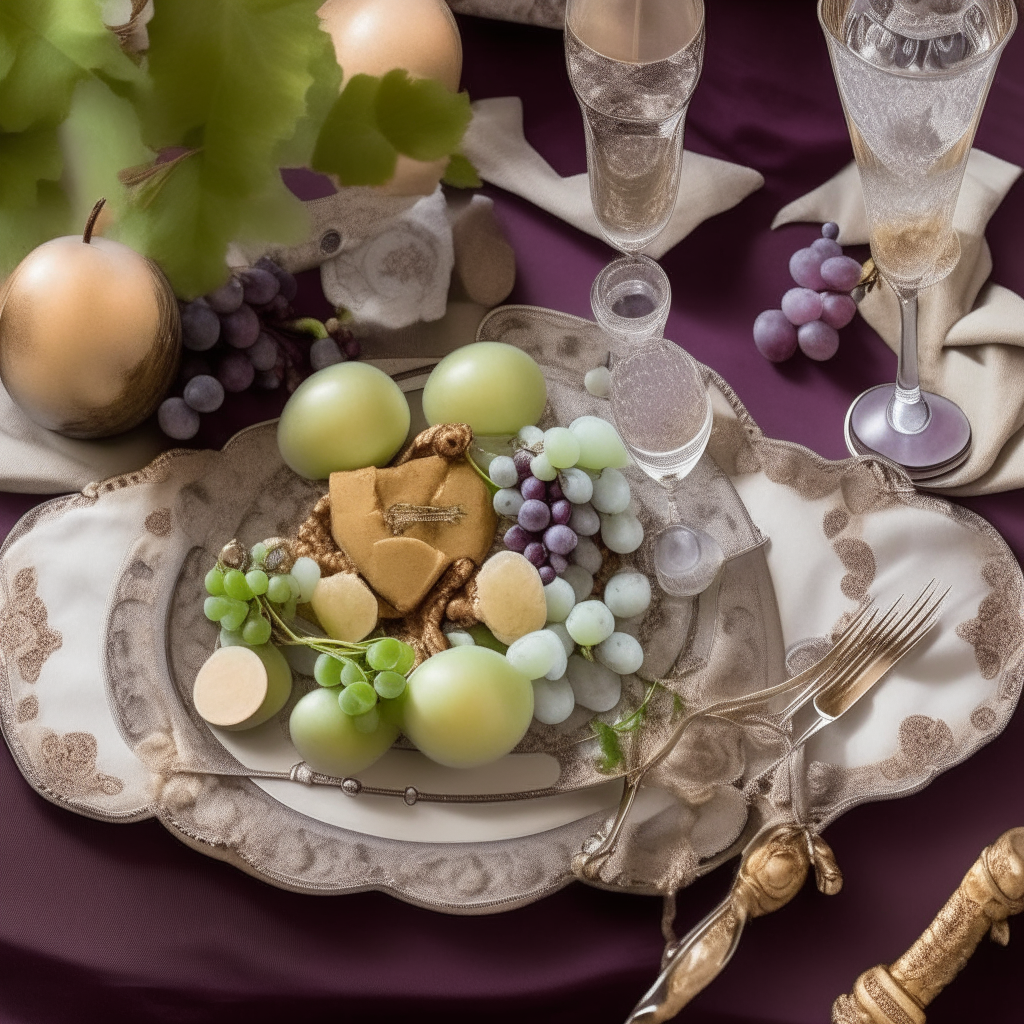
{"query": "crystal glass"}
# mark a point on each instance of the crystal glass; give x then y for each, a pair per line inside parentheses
(913, 76)
(634, 65)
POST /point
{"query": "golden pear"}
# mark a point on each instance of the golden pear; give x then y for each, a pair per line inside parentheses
(90, 335)
(372, 37)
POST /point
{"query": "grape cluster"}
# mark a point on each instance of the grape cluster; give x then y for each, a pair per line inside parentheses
(243, 336)
(362, 677)
(559, 503)
(814, 311)
(584, 650)
(246, 593)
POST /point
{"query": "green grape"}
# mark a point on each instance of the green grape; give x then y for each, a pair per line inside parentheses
(357, 699)
(289, 608)
(389, 684)
(215, 608)
(231, 638)
(405, 662)
(279, 589)
(367, 721)
(293, 584)
(258, 581)
(385, 654)
(327, 670)
(351, 673)
(256, 631)
(258, 553)
(215, 582)
(233, 618)
(561, 447)
(235, 585)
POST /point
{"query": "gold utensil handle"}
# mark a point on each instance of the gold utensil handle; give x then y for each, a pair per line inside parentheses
(991, 892)
(773, 870)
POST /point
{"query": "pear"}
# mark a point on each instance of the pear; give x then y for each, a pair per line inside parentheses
(90, 335)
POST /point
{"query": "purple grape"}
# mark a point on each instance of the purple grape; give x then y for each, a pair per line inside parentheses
(277, 308)
(801, 306)
(241, 328)
(227, 298)
(547, 574)
(204, 393)
(558, 562)
(534, 516)
(324, 352)
(818, 340)
(805, 269)
(826, 248)
(177, 420)
(561, 512)
(289, 286)
(555, 491)
(584, 519)
(518, 539)
(263, 355)
(830, 230)
(235, 372)
(353, 350)
(269, 380)
(522, 459)
(560, 540)
(841, 273)
(200, 327)
(536, 553)
(532, 488)
(258, 286)
(837, 310)
(775, 338)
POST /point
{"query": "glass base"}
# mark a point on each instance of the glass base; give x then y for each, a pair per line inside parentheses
(942, 444)
(686, 560)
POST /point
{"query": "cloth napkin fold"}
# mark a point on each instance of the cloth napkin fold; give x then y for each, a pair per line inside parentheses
(549, 13)
(496, 145)
(971, 331)
(34, 460)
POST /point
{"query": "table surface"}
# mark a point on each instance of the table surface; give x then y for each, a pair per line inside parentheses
(124, 922)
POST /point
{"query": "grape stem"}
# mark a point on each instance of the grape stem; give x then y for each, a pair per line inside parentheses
(325, 645)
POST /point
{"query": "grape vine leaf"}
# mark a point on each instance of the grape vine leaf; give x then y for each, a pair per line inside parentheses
(232, 80)
(48, 48)
(375, 119)
(460, 173)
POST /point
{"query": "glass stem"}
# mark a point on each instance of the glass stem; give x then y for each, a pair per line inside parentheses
(908, 411)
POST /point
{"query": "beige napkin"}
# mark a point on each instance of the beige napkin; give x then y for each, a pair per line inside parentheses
(549, 13)
(971, 331)
(496, 145)
(34, 460)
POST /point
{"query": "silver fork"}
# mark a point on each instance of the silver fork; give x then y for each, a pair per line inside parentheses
(863, 646)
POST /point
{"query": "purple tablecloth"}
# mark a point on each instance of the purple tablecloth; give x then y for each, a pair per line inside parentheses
(107, 922)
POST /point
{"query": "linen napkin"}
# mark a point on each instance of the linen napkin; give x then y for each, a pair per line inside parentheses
(34, 460)
(549, 13)
(971, 331)
(496, 145)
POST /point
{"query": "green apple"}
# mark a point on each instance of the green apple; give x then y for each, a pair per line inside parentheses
(467, 706)
(494, 387)
(346, 416)
(328, 740)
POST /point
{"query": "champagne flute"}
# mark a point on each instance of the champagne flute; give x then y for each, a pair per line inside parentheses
(913, 76)
(634, 65)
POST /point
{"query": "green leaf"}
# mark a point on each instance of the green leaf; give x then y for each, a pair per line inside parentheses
(100, 138)
(611, 749)
(351, 145)
(460, 173)
(232, 79)
(298, 150)
(421, 118)
(48, 49)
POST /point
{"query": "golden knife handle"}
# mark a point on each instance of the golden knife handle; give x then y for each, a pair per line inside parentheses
(991, 892)
(772, 872)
